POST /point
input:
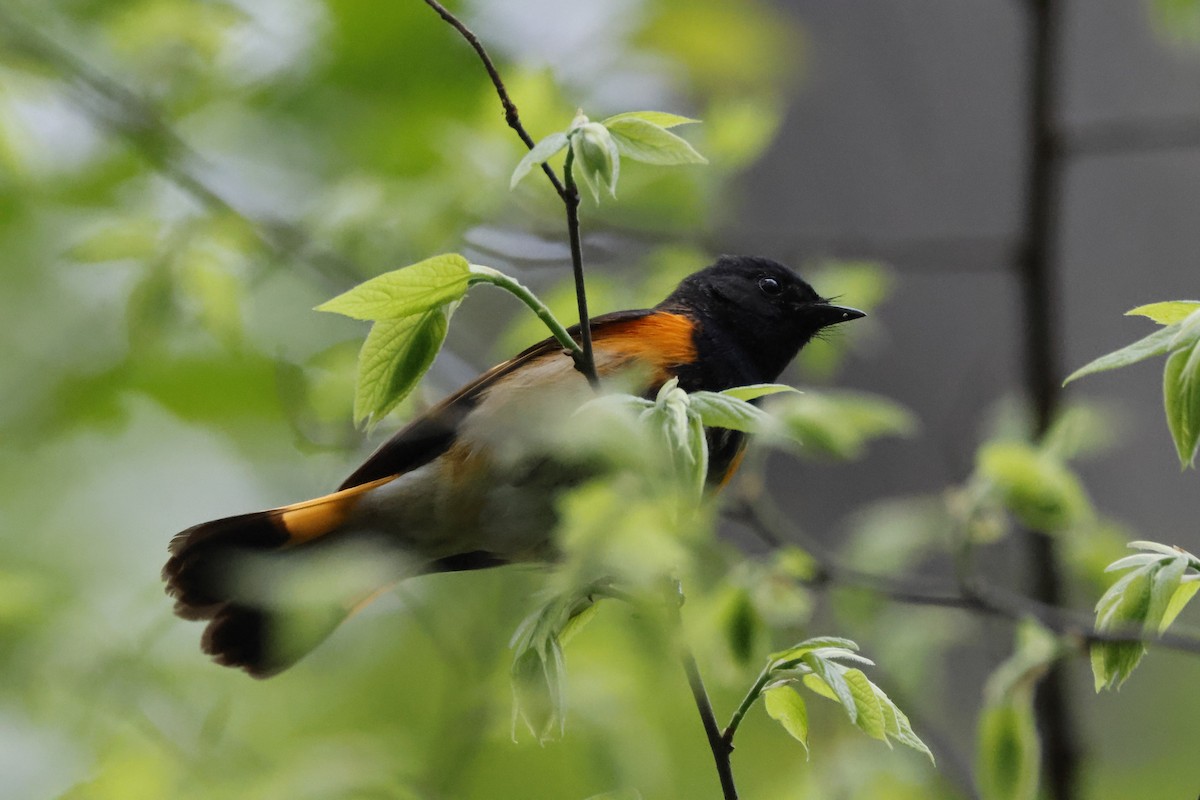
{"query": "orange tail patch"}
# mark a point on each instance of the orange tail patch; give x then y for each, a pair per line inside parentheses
(314, 518)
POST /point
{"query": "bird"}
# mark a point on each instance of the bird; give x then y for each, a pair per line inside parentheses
(450, 492)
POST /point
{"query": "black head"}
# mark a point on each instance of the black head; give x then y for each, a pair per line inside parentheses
(755, 314)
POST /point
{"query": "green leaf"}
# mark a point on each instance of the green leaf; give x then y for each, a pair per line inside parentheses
(1188, 333)
(577, 620)
(1166, 581)
(540, 153)
(644, 141)
(1156, 344)
(897, 725)
(754, 391)
(1113, 662)
(1164, 570)
(818, 686)
(831, 674)
(538, 690)
(796, 652)
(787, 707)
(1008, 758)
(1182, 595)
(683, 435)
(698, 446)
(812, 662)
(796, 564)
(840, 424)
(741, 623)
(1154, 547)
(597, 158)
(1127, 599)
(1081, 429)
(1110, 602)
(539, 669)
(866, 704)
(1167, 313)
(869, 717)
(1126, 603)
(118, 239)
(408, 291)
(662, 119)
(722, 411)
(841, 654)
(559, 616)
(396, 354)
(1181, 399)
(1035, 486)
(216, 292)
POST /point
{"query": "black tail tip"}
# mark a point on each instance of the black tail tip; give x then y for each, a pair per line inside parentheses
(236, 637)
(203, 557)
(266, 641)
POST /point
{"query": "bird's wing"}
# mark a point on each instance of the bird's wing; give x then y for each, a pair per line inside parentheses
(658, 338)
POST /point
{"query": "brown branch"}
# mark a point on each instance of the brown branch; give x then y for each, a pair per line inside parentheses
(971, 595)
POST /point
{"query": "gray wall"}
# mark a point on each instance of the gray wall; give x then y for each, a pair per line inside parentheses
(906, 143)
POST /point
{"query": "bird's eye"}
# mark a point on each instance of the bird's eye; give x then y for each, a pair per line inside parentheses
(769, 286)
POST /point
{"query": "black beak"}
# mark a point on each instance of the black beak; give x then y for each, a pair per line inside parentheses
(828, 314)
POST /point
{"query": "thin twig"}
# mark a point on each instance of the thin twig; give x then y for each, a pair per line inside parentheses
(567, 191)
(510, 109)
(588, 367)
(721, 748)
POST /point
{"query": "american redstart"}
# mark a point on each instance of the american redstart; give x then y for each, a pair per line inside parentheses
(445, 494)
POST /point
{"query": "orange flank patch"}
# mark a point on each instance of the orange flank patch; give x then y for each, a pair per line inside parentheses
(732, 469)
(315, 518)
(660, 339)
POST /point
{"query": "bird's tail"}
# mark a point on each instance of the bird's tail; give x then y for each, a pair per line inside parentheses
(274, 584)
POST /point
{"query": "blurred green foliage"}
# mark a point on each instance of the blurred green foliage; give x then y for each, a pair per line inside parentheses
(181, 181)
(1178, 19)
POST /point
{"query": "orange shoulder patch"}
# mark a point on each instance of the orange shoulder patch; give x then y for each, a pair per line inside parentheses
(661, 339)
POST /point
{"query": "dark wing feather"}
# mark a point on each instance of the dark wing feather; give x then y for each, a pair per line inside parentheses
(432, 433)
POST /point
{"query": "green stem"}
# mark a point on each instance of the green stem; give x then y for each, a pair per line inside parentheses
(482, 274)
(587, 362)
(747, 702)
